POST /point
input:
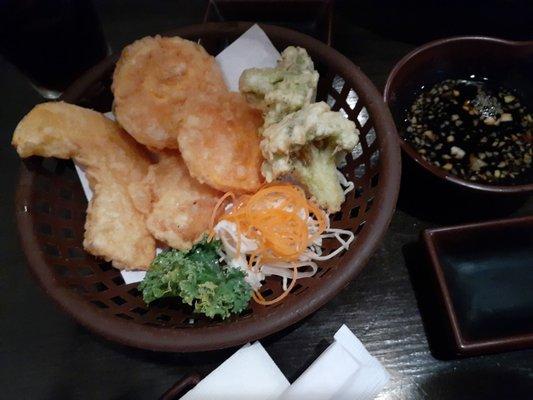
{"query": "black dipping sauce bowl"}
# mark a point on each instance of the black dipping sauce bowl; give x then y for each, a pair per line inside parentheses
(506, 63)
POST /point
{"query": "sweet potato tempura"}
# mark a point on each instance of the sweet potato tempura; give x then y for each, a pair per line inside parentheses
(219, 141)
(114, 229)
(153, 78)
(178, 206)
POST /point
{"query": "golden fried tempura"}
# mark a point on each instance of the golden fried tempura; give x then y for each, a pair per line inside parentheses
(219, 142)
(114, 229)
(153, 78)
(179, 207)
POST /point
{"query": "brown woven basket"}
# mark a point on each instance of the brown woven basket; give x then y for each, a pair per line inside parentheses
(51, 215)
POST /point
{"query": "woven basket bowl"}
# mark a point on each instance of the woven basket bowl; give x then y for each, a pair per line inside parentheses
(51, 215)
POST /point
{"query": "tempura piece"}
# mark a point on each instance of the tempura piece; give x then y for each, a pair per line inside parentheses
(114, 229)
(219, 142)
(153, 78)
(283, 89)
(307, 145)
(180, 207)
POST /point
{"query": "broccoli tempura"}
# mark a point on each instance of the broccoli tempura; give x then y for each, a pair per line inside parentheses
(306, 144)
(284, 89)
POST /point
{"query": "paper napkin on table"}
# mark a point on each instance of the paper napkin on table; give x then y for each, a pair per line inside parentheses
(251, 49)
(248, 374)
(344, 371)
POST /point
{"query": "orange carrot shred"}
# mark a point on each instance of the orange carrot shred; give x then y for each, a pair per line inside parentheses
(277, 218)
(215, 211)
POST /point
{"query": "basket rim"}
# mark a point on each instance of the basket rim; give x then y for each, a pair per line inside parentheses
(167, 339)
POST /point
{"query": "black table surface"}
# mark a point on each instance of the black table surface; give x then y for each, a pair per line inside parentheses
(45, 355)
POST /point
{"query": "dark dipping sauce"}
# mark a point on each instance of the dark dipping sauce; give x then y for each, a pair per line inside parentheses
(474, 130)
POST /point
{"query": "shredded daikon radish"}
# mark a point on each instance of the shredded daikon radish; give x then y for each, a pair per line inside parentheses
(226, 231)
(345, 183)
(332, 233)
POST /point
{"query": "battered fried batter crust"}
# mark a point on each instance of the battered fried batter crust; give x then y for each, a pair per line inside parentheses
(153, 79)
(219, 142)
(114, 229)
(179, 207)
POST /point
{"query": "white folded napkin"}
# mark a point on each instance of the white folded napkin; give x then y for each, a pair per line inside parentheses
(344, 371)
(248, 374)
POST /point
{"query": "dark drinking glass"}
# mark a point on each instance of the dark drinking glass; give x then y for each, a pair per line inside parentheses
(51, 41)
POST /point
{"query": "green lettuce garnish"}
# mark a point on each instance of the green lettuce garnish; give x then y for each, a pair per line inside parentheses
(197, 277)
